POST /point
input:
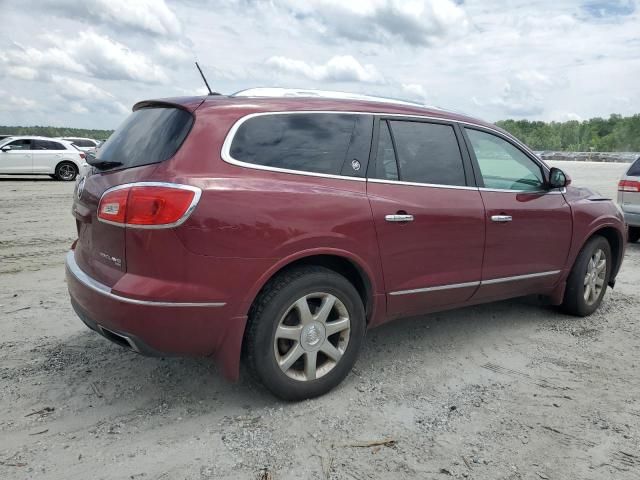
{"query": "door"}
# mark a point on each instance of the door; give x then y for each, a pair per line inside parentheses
(429, 219)
(15, 157)
(528, 226)
(46, 155)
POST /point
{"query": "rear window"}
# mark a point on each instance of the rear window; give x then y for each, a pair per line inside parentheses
(148, 135)
(330, 143)
(634, 170)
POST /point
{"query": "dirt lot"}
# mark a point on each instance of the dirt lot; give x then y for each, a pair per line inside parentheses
(507, 390)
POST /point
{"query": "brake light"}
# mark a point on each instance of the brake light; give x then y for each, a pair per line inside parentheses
(148, 205)
(628, 186)
(82, 155)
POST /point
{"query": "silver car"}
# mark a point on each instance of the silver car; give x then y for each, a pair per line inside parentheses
(629, 199)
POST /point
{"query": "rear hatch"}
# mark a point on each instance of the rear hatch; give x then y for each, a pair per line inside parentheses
(152, 134)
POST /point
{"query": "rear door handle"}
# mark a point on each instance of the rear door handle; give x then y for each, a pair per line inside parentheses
(501, 218)
(399, 218)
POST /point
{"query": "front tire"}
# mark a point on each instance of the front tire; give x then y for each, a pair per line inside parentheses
(304, 333)
(66, 172)
(588, 280)
(634, 234)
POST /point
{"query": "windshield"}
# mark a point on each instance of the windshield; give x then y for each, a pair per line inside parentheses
(149, 135)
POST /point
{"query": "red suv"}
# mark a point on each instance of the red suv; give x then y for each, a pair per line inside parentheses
(280, 228)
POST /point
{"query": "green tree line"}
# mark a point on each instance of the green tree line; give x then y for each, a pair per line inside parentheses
(615, 134)
(56, 132)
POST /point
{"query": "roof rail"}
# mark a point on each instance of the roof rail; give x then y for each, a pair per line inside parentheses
(311, 93)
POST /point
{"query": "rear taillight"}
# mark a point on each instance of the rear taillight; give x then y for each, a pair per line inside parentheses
(629, 186)
(148, 204)
(83, 156)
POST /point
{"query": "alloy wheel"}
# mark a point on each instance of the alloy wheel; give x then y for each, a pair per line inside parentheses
(66, 172)
(595, 277)
(312, 336)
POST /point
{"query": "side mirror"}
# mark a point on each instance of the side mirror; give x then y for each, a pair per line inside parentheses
(558, 179)
(6, 149)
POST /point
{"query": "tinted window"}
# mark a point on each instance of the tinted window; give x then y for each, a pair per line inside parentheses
(427, 153)
(315, 142)
(47, 145)
(502, 165)
(20, 145)
(148, 135)
(634, 170)
(386, 165)
(84, 143)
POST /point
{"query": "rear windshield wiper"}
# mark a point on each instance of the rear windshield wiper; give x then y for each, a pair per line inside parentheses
(102, 164)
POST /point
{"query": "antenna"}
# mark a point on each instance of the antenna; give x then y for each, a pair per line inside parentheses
(205, 80)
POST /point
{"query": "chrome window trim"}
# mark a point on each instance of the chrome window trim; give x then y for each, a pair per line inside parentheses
(554, 191)
(476, 283)
(194, 203)
(103, 289)
(225, 152)
(226, 146)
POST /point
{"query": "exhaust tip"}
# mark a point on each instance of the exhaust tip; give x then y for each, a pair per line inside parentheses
(118, 338)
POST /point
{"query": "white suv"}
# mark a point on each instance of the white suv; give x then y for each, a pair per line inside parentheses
(30, 155)
(84, 144)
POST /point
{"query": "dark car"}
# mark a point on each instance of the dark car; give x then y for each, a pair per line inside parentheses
(280, 228)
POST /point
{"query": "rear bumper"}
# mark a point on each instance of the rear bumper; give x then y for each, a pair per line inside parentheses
(631, 219)
(157, 328)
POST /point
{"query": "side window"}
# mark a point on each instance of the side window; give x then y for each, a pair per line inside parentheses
(427, 153)
(20, 145)
(634, 170)
(314, 142)
(502, 165)
(386, 166)
(46, 145)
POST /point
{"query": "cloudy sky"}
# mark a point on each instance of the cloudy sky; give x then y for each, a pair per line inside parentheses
(85, 63)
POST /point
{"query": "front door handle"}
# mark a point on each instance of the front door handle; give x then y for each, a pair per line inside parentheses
(399, 218)
(501, 218)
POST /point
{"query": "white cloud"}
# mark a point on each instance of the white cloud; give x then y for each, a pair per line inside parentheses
(523, 94)
(173, 53)
(341, 68)
(507, 58)
(12, 102)
(83, 97)
(86, 53)
(109, 59)
(414, 91)
(415, 22)
(150, 16)
(74, 89)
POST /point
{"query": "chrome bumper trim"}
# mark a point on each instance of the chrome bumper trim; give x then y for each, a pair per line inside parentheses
(103, 289)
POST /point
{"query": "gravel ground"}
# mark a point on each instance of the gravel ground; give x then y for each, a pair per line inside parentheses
(510, 390)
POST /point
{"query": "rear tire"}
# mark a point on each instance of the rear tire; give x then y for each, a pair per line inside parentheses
(588, 280)
(304, 332)
(634, 234)
(66, 172)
